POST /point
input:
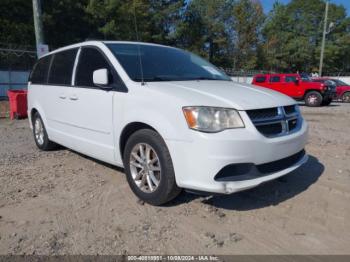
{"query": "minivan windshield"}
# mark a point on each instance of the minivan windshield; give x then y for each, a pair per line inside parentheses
(161, 63)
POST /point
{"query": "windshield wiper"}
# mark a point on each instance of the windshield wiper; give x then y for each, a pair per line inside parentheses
(152, 79)
(207, 78)
(162, 78)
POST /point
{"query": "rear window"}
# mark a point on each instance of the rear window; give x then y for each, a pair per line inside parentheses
(40, 70)
(62, 67)
(275, 79)
(260, 79)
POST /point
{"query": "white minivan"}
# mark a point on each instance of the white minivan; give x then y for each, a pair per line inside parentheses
(170, 118)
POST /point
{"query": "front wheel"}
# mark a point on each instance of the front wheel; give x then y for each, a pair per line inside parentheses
(346, 97)
(313, 99)
(149, 168)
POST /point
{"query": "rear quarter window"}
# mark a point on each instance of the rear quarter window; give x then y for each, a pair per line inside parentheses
(40, 71)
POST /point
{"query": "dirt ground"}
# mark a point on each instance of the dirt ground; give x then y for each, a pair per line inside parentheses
(61, 202)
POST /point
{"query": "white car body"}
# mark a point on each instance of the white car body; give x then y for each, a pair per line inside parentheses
(92, 121)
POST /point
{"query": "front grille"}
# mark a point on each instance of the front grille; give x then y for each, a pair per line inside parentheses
(271, 129)
(292, 124)
(277, 121)
(262, 113)
(290, 109)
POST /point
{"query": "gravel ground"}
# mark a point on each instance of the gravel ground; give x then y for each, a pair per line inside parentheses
(61, 202)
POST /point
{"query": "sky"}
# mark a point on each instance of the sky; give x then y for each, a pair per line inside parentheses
(267, 4)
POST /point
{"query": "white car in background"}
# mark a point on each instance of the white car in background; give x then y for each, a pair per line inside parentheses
(174, 122)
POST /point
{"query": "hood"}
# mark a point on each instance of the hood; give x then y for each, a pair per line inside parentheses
(221, 94)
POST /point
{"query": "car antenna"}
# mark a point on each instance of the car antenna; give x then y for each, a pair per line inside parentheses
(138, 45)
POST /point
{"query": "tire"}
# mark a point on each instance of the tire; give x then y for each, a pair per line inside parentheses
(346, 97)
(40, 135)
(327, 102)
(313, 99)
(144, 183)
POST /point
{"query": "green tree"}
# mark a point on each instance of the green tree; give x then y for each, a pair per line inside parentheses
(247, 20)
(204, 29)
(16, 22)
(293, 33)
(155, 20)
(66, 22)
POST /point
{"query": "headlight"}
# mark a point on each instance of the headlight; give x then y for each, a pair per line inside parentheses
(212, 119)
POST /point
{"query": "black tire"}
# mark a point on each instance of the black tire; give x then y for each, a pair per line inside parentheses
(167, 188)
(313, 99)
(327, 102)
(346, 97)
(47, 144)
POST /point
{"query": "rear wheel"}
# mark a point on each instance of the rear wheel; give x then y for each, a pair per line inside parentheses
(346, 97)
(149, 168)
(313, 98)
(40, 135)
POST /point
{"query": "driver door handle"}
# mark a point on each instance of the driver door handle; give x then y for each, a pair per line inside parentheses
(73, 97)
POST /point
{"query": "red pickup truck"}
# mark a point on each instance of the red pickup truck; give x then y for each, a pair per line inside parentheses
(313, 93)
(343, 89)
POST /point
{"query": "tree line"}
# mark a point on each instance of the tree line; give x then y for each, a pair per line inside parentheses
(230, 33)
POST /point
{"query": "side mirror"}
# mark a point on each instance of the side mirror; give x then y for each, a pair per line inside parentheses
(296, 81)
(100, 78)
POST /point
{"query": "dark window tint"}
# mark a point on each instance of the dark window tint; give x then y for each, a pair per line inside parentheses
(39, 73)
(90, 60)
(275, 79)
(260, 79)
(161, 63)
(340, 83)
(291, 79)
(62, 67)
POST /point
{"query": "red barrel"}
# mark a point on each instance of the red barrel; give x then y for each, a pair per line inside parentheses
(18, 103)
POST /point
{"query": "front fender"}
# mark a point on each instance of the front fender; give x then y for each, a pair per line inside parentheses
(171, 126)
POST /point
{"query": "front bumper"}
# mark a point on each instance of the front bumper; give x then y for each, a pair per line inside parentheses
(196, 163)
(330, 94)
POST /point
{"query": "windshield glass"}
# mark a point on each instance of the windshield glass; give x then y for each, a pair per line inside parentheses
(340, 83)
(160, 63)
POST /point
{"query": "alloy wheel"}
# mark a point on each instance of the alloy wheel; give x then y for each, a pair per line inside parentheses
(39, 131)
(346, 98)
(145, 167)
(313, 99)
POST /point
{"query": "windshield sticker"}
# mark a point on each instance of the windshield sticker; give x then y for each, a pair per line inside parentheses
(212, 70)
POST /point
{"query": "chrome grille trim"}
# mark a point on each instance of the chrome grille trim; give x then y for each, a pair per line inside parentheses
(282, 117)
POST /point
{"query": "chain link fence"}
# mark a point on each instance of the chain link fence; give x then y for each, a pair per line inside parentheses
(16, 62)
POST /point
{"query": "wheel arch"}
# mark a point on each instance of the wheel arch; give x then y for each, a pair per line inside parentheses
(312, 90)
(32, 113)
(37, 109)
(130, 129)
(344, 93)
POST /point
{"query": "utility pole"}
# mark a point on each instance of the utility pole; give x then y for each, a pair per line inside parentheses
(323, 39)
(38, 26)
